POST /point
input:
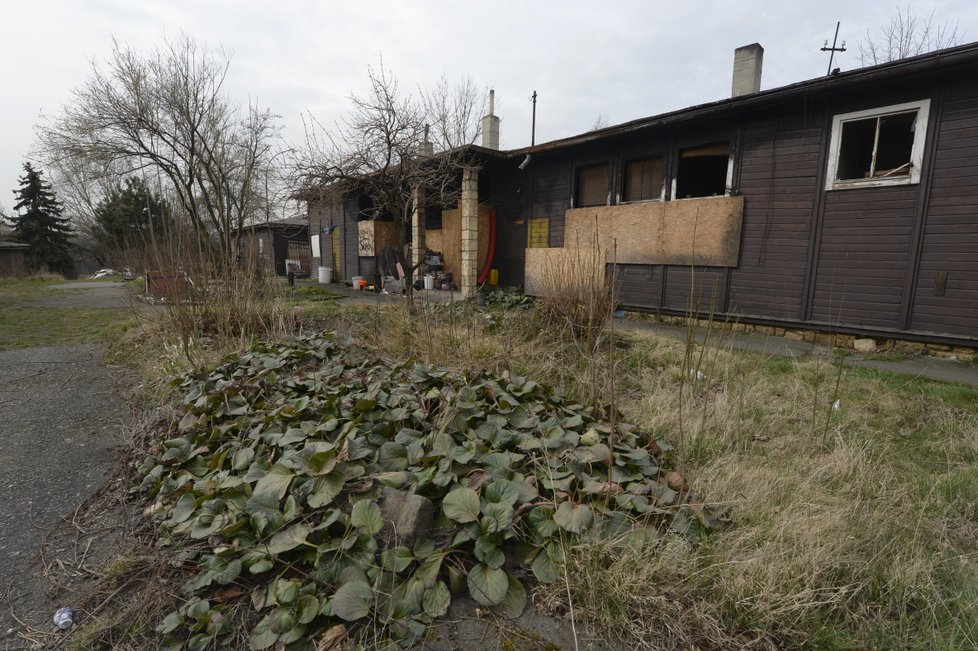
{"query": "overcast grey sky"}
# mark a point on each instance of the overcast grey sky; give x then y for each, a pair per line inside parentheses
(623, 59)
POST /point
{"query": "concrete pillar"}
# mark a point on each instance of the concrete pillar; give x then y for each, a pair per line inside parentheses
(469, 209)
(417, 226)
(747, 70)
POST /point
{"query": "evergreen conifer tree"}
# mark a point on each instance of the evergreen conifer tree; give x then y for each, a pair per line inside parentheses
(38, 222)
(124, 218)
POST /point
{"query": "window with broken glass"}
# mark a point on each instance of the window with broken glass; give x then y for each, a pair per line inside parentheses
(878, 147)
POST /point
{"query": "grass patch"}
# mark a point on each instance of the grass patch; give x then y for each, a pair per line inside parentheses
(312, 293)
(22, 327)
(17, 290)
(851, 527)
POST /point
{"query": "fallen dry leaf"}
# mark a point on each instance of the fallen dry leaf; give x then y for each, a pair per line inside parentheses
(675, 481)
(334, 639)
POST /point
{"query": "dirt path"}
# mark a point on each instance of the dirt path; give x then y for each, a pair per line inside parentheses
(61, 413)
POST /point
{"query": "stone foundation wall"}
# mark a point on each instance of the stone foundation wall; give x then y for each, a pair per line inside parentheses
(858, 343)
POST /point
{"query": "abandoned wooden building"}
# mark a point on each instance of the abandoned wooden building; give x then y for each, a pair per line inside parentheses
(273, 246)
(846, 203)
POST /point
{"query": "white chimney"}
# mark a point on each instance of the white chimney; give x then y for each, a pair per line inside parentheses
(427, 147)
(490, 125)
(747, 70)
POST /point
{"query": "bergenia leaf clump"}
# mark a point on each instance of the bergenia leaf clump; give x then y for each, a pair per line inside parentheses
(279, 464)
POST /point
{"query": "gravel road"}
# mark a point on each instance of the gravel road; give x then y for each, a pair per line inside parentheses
(61, 413)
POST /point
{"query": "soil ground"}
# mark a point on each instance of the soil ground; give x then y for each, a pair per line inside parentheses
(62, 413)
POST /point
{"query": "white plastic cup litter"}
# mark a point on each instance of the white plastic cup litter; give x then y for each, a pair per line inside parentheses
(64, 618)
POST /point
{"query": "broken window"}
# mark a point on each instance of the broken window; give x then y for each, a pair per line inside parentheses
(643, 179)
(876, 147)
(702, 171)
(591, 186)
(880, 147)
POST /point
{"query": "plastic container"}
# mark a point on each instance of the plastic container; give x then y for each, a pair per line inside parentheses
(494, 277)
(325, 275)
(64, 618)
(356, 282)
(429, 282)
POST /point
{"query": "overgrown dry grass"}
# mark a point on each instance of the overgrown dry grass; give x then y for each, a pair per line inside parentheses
(852, 527)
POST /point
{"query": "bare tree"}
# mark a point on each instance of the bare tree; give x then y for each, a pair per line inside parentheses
(454, 112)
(167, 115)
(600, 122)
(907, 35)
(392, 146)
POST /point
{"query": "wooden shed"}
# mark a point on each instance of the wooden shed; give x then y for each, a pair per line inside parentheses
(271, 245)
(12, 258)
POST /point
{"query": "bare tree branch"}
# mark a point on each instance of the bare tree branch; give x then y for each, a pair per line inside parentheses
(907, 35)
(390, 144)
(168, 112)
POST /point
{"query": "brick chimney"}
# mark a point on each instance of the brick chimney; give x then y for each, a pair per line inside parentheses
(490, 125)
(747, 70)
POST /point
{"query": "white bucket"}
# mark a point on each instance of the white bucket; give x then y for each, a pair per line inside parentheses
(429, 282)
(325, 275)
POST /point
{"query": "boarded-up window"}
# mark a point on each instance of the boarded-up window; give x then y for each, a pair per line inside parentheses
(591, 186)
(538, 233)
(643, 179)
(702, 171)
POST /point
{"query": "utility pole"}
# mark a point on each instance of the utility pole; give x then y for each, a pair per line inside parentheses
(533, 127)
(833, 49)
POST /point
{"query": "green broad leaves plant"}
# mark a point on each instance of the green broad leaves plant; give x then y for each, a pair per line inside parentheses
(277, 465)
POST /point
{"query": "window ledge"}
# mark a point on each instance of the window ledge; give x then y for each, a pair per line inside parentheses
(873, 183)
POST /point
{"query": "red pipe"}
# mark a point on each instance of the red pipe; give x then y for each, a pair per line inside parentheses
(492, 247)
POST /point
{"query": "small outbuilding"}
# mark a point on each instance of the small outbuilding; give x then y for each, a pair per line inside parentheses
(273, 246)
(12, 258)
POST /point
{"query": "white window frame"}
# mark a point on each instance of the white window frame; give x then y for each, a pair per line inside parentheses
(916, 152)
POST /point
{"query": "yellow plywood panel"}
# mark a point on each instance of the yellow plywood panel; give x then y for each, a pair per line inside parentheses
(690, 231)
(538, 233)
(546, 270)
(335, 249)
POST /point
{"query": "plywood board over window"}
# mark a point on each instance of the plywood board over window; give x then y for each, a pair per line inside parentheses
(451, 239)
(558, 270)
(697, 231)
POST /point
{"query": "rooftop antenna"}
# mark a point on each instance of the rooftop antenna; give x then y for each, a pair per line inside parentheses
(833, 49)
(533, 127)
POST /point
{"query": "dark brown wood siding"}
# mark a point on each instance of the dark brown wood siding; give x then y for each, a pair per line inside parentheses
(950, 242)
(349, 239)
(700, 289)
(550, 181)
(639, 285)
(864, 252)
(505, 192)
(778, 178)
